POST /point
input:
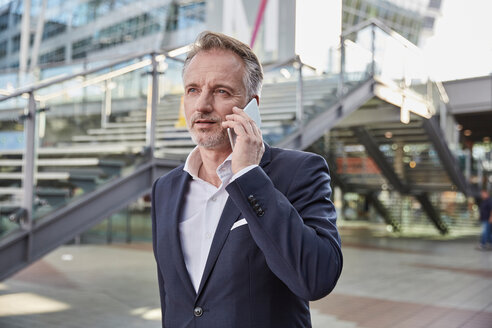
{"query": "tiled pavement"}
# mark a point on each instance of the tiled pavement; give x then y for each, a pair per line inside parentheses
(386, 282)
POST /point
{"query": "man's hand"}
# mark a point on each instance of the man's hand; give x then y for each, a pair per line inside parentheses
(249, 147)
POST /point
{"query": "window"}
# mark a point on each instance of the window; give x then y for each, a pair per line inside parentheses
(3, 49)
(435, 4)
(81, 48)
(89, 11)
(130, 29)
(182, 16)
(52, 28)
(4, 21)
(16, 42)
(54, 56)
(429, 22)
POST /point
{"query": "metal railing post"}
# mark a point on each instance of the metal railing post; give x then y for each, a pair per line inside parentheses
(106, 106)
(29, 158)
(373, 50)
(299, 94)
(479, 173)
(28, 168)
(468, 162)
(152, 100)
(443, 116)
(342, 68)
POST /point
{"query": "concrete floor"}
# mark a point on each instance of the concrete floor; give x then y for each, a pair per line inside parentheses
(386, 282)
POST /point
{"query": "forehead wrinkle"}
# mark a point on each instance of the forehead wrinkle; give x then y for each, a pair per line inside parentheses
(215, 68)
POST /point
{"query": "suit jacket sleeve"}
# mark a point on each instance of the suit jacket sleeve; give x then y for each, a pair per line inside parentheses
(160, 280)
(297, 231)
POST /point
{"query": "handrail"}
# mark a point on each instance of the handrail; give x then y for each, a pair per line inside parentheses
(49, 82)
(35, 87)
(442, 92)
(384, 28)
(272, 66)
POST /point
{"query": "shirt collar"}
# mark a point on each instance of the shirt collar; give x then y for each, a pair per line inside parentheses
(194, 161)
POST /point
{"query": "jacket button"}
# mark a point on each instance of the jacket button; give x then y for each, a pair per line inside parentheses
(198, 311)
(251, 199)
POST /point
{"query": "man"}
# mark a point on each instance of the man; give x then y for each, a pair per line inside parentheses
(243, 237)
(485, 220)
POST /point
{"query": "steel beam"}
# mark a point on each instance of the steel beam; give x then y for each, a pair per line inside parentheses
(64, 224)
(153, 99)
(450, 163)
(432, 213)
(299, 94)
(381, 209)
(373, 150)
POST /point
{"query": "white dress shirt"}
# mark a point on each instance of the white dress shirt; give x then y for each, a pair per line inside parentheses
(203, 207)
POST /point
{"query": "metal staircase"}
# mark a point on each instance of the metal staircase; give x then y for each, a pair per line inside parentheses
(77, 165)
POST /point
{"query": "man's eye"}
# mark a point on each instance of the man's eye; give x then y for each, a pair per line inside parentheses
(221, 91)
(191, 90)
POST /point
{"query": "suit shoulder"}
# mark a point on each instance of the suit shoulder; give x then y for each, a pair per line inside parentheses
(295, 156)
(169, 176)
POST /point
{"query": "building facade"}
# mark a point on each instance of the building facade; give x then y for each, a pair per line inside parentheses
(89, 30)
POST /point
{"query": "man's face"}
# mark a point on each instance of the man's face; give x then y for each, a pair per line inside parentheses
(485, 194)
(213, 83)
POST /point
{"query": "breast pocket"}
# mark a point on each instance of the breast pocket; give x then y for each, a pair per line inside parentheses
(239, 230)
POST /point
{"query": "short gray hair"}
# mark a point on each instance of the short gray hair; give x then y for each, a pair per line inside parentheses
(253, 77)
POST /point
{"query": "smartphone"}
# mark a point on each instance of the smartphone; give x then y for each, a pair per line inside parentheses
(253, 112)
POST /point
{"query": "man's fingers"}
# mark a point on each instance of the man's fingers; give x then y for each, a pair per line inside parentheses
(238, 120)
(238, 128)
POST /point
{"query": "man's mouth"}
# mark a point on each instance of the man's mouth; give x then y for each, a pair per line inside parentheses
(203, 123)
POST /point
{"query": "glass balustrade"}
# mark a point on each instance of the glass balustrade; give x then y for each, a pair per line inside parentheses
(89, 130)
(12, 144)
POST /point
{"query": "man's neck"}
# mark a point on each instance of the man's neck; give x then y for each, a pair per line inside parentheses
(211, 159)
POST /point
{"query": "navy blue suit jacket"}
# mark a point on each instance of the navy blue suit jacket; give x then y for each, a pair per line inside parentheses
(263, 273)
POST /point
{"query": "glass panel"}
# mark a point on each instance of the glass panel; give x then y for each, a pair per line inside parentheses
(130, 225)
(358, 61)
(86, 137)
(172, 138)
(12, 147)
(278, 102)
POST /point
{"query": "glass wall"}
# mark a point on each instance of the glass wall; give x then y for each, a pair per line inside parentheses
(83, 27)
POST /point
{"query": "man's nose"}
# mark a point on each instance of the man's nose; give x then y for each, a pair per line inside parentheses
(204, 103)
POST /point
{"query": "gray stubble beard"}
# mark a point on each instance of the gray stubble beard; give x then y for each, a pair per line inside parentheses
(210, 142)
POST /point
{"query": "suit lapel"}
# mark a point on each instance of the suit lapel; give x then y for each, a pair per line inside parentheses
(179, 186)
(229, 215)
(227, 219)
